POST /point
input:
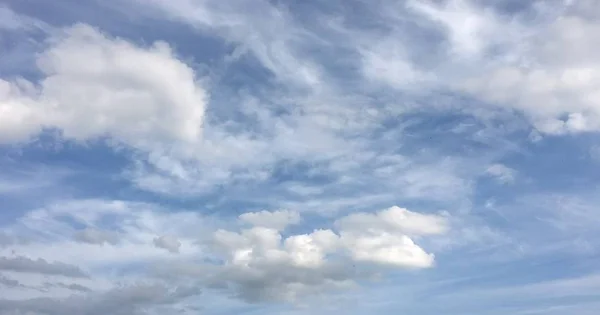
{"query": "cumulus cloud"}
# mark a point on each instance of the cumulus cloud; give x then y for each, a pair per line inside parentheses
(40, 266)
(394, 219)
(550, 75)
(263, 264)
(257, 263)
(383, 237)
(94, 86)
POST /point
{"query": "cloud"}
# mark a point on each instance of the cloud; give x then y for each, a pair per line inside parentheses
(50, 231)
(323, 112)
(262, 37)
(10, 20)
(552, 80)
(472, 30)
(134, 299)
(395, 219)
(383, 237)
(95, 236)
(256, 264)
(167, 242)
(40, 266)
(7, 282)
(277, 220)
(261, 264)
(71, 286)
(95, 86)
(502, 173)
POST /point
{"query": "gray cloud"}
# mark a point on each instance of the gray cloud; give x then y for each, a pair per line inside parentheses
(70, 286)
(131, 300)
(11, 283)
(41, 266)
(96, 236)
(167, 242)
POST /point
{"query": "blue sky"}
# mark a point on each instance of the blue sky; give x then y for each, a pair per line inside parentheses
(299, 157)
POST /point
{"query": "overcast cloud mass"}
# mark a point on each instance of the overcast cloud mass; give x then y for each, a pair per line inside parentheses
(299, 157)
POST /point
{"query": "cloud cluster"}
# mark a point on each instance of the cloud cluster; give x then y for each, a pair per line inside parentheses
(261, 262)
(544, 68)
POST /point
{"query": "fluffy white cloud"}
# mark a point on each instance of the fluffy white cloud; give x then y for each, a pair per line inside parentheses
(545, 69)
(19, 118)
(394, 219)
(383, 237)
(263, 264)
(94, 86)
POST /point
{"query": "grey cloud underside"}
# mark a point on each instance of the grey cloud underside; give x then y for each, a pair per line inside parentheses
(130, 300)
(8, 282)
(167, 242)
(40, 266)
(72, 286)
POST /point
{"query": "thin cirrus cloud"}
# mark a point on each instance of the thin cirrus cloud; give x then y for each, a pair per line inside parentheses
(178, 157)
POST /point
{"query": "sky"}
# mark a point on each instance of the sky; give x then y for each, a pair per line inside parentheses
(299, 157)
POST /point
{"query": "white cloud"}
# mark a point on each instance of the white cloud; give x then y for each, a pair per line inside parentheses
(388, 63)
(257, 263)
(19, 119)
(471, 30)
(267, 32)
(286, 266)
(551, 76)
(383, 237)
(94, 86)
(277, 220)
(502, 173)
(394, 219)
